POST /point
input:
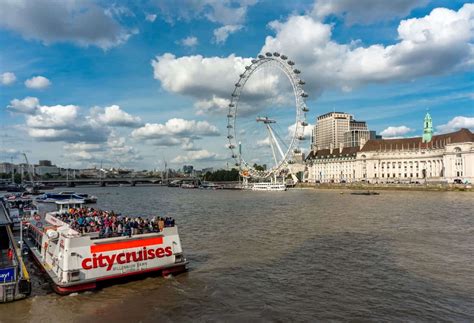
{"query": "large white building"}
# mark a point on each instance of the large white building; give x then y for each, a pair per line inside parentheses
(444, 158)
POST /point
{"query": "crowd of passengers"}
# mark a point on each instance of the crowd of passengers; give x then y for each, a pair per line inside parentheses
(109, 224)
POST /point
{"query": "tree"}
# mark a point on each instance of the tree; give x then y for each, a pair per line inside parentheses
(260, 167)
(222, 175)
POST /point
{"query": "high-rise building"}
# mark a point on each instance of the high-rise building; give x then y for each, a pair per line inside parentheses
(45, 163)
(336, 129)
(330, 128)
(357, 131)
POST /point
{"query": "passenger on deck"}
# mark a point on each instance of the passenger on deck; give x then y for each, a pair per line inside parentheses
(86, 220)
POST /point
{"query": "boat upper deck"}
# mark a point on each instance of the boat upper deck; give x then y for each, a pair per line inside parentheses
(105, 224)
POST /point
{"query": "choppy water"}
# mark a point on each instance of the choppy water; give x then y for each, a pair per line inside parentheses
(301, 255)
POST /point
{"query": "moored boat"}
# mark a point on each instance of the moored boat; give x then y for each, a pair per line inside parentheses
(18, 206)
(66, 195)
(210, 186)
(77, 259)
(189, 185)
(14, 278)
(268, 186)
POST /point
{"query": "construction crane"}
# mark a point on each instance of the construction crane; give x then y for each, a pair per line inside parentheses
(34, 188)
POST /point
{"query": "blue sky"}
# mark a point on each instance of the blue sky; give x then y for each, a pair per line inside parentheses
(131, 85)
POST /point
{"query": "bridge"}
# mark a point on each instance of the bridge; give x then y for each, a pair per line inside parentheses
(113, 181)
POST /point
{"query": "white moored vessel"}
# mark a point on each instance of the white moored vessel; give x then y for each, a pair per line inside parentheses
(76, 260)
(268, 186)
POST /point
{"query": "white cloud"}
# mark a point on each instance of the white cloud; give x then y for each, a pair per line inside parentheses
(176, 128)
(224, 12)
(190, 41)
(263, 143)
(58, 122)
(114, 116)
(221, 34)
(214, 104)
(176, 132)
(55, 117)
(82, 22)
(119, 150)
(305, 131)
(196, 156)
(83, 146)
(7, 78)
(81, 155)
(9, 153)
(27, 105)
(37, 82)
(457, 123)
(397, 131)
(114, 150)
(196, 75)
(365, 11)
(49, 134)
(150, 17)
(438, 43)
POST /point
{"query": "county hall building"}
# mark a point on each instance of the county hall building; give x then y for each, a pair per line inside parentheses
(433, 158)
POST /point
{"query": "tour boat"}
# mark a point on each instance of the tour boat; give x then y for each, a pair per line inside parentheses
(268, 186)
(61, 196)
(86, 197)
(188, 185)
(18, 206)
(210, 186)
(76, 261)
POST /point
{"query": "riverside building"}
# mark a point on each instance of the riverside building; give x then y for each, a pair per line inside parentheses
(431, 158)
(335, 128)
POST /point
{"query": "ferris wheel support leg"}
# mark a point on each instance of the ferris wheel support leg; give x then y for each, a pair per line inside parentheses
(293, 176)
(271, 145)
(276, 142)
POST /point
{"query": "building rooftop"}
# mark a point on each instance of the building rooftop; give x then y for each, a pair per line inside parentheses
(437, 141)
(330, 113)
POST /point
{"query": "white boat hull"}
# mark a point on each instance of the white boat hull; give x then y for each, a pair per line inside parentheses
(268, 187)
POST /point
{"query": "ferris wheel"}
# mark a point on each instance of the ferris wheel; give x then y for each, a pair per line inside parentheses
(281, 144)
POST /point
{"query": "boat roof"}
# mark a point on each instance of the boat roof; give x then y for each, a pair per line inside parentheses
(70, 201)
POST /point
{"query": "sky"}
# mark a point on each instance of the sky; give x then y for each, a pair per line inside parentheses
(133, 84)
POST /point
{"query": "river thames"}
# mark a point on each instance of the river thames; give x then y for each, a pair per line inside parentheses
(300, 255)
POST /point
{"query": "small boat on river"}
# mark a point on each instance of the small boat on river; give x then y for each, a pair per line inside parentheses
(365, 193)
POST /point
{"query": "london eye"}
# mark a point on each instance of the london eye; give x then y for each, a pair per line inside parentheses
(267, 117)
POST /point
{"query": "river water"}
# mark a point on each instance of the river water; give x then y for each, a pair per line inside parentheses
(300, 255)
